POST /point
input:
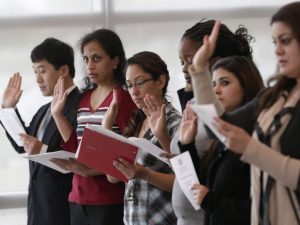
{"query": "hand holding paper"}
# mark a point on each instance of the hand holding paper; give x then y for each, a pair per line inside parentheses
(207, 113)
(45, 159)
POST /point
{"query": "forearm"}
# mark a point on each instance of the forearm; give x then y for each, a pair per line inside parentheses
(203, 90)
(165, 141)
(161, 180)
(64, 126)
(283, 168)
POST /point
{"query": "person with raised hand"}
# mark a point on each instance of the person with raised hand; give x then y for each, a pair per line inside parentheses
(224, 189)
(93, 199)
(228, 44)
(148, 191)
(48, 189)
(273, 120)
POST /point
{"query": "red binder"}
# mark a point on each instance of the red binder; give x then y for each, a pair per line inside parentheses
(98, 151)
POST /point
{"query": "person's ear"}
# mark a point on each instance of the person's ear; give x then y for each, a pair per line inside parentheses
(162, 81)
(116, 62)
(64, 71)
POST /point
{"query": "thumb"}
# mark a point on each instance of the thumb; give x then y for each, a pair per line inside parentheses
(163, 110)
(115, 97)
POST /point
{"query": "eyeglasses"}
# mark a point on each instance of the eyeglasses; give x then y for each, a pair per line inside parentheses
(137, 84)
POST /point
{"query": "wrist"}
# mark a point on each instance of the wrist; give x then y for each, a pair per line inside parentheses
(143, 174)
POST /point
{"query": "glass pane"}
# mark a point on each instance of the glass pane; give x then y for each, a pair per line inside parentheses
(47, 7)
(169, 5)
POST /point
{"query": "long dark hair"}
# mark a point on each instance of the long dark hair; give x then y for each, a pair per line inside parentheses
(246, 72)
(112, 45)
(290, 16)
(151, 63)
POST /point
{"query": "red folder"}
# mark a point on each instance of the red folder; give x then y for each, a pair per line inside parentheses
(98, 151)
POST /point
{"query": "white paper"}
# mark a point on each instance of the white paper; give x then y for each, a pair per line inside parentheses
(207, 113)
(44, 159)
(147, 146)
(12, 124)
(185, 175)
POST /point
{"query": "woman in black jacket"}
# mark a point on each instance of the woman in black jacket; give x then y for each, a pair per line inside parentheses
(225, 180)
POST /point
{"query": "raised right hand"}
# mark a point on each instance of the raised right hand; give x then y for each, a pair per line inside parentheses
(188, 126)
(12, 92)
(204, 53)
(59, 98)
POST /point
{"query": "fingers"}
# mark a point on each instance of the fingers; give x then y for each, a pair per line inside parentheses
(15, 81)
(125, 167)
(163, 110)
(215, 32)
(190, 113)
(151, 103)
(114, 103)
(62, 163)
(61, 85)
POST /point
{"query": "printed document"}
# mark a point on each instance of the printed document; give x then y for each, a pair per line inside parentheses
(185, 175)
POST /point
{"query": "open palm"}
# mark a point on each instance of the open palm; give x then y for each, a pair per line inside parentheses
(12, 92)
(204, 53)
(59, 98)
(156, 116)
(111, 114)
(188, 126)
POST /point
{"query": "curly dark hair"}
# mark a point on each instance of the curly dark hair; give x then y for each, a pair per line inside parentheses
(228, 43)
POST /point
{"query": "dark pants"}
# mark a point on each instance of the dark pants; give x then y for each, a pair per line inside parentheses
(96, 215)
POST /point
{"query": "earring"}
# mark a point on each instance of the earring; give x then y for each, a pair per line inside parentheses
(115, 67)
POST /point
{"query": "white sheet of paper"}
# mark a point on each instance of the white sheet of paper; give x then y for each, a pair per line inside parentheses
(206, 113)
(186, 175)
(147, 146)
(44, 159)
(12, 124)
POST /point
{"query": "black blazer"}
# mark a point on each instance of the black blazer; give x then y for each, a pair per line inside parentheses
(48, 190)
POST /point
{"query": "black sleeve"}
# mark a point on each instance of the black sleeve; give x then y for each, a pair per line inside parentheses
(232, 210)
(184, 97)
(244, 117)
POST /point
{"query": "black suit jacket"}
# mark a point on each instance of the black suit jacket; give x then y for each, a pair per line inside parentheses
(48, 189)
